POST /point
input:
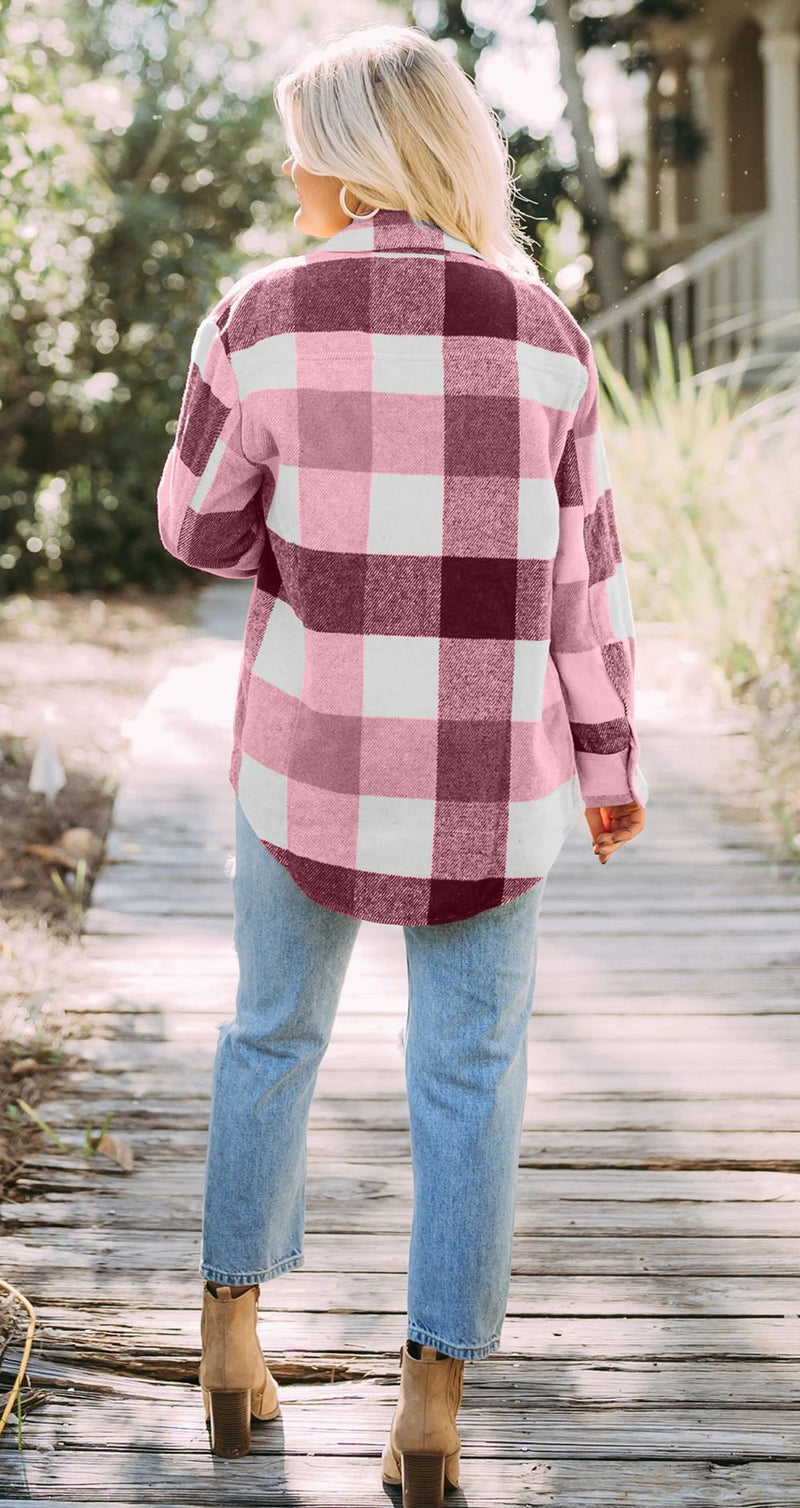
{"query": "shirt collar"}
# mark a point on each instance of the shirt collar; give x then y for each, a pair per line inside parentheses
(394, 230)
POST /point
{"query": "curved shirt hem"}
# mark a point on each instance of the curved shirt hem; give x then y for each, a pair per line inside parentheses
(395, 899)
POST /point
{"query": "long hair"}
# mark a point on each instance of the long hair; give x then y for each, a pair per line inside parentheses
(385, 109)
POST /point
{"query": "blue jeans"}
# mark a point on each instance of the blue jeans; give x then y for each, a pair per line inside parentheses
(470, 991)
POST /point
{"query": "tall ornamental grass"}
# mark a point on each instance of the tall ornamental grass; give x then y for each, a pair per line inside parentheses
(706, 477)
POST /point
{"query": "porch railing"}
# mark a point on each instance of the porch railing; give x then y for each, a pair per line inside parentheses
(713, 299)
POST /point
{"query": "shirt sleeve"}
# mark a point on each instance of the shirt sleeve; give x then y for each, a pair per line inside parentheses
(210, 509)
(593, 644)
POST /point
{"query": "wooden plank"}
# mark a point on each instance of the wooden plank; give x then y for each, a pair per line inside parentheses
(337, 1429)
(353, 1208)
(767, 1150)
(76, 1247)
(361, 1020)
(385, 1293)
(318, 1481)
(179, 959)
(548, 1057)
(598, 916)
(500, 1383)
(172, 993)
(707, 949)
(552, 1051)
(553, 1057)
(711, 1081)
(591, 891)
(146, 1338)
(596, 1112)
(154, 1186)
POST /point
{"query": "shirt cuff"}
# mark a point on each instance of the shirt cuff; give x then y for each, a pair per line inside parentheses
(612, 779)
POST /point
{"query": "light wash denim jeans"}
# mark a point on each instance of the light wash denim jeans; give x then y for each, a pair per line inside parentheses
(470, 991)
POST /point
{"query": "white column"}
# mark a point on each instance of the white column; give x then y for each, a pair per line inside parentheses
(709, 76)
(780, 50)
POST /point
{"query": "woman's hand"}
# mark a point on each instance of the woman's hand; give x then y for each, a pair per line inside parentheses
(612, 825)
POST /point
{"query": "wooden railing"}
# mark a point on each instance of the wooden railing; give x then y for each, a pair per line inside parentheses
(713, 299)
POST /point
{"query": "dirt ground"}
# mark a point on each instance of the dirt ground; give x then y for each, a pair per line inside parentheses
(74, 670)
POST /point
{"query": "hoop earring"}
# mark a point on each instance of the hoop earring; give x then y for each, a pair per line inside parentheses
(350, 212)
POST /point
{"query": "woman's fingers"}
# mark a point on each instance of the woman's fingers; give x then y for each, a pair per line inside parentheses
(605, 845)
(624, 823)
(607, 842)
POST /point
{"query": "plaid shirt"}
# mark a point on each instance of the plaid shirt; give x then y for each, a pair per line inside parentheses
(399, 441)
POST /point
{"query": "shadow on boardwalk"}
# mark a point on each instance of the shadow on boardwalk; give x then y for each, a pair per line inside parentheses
(650, 1350)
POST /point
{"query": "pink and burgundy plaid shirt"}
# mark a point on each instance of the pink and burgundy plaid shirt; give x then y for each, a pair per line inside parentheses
(399, 441)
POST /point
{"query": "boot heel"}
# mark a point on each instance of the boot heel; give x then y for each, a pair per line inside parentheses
(229, 1423)
(423, 1478)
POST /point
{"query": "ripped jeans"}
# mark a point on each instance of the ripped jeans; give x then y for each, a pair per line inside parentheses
(470, 992)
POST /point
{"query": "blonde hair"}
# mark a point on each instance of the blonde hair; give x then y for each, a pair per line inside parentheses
(385, 109)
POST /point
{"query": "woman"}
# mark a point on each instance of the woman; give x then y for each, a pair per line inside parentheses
(395, 433)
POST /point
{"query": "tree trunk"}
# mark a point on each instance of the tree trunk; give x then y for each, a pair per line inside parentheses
(605, 241)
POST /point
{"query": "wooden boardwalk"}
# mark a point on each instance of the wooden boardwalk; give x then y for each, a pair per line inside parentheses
(650, 1354)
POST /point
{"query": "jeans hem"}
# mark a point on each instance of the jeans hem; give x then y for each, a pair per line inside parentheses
(461, 1353)
(287, 1264)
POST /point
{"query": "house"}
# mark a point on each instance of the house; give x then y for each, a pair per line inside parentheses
(720, 235)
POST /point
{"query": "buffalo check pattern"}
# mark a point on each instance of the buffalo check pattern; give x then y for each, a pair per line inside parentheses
(398, 441)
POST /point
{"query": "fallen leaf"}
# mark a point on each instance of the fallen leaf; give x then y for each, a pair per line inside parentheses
(51, 854)
(118, 1148)
(17, 882)
(81, 843)
(24, 1065)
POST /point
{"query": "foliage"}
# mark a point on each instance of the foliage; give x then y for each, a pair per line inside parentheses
(139, 173)
(680, 138)
(139, 170)
(688, 457)
(691, 462)
(604, 23)
(135, 165)
(548, 185)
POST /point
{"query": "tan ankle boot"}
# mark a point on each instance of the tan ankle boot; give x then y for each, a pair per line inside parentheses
(233, 1375)
(424, 1447)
